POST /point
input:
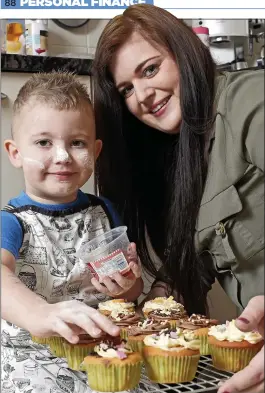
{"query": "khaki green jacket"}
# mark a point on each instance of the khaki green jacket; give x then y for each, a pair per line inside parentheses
(230, 224)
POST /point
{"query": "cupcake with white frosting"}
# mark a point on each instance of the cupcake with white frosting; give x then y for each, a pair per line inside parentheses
(113, 368)
(55, 344)
(39, 340)
(171, 356)
(114, 306)
(137, 333)
(163, 308)
(231, 349)
(121, 313)
(75, 353)
(125, 320)
(200, 324)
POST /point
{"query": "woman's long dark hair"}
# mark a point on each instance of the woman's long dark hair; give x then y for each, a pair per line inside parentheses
(156, 180)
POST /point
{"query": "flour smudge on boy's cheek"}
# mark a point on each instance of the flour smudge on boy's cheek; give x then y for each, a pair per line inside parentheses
(86, 159)
(34, 163)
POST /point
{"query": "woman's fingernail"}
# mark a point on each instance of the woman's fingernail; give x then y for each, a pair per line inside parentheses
(244, 320)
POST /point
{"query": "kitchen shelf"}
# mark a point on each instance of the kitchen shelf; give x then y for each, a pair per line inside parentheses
(79, 66)
(35, 64)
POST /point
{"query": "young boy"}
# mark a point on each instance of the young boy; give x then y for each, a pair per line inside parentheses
(45, 290)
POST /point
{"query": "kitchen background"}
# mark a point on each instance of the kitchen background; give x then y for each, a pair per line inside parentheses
(245, 49)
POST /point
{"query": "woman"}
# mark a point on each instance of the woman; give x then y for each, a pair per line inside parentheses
(183, 160)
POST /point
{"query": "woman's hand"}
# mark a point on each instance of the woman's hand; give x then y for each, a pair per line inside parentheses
(70, 318)
(116, 284)
(251, 378)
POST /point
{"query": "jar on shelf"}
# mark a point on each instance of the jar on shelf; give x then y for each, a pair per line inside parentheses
(203, 33)
(36, 37)
(14, 37)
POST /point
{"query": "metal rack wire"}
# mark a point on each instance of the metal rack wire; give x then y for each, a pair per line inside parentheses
(206, 379)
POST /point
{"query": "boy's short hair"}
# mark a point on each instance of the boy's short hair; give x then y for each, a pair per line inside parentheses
(58, 90)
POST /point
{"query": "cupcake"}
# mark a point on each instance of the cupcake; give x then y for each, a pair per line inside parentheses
(39, 340)
(56, 346)
(75, 353)
(113, 368)
(171, 356)
(231, 349)
(162, 309)
(137, 334)
(118, 305)
(124, 320)
(200, 325)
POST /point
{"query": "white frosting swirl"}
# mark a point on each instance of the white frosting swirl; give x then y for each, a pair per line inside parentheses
(163, 303)
(115, 307)
(105, 351)
(172, 341)
(116, 314)
(231, 333)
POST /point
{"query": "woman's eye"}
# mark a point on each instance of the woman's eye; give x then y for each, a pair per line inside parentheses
(44, 143)
(150, 70)
(78, 144)
(126, 91)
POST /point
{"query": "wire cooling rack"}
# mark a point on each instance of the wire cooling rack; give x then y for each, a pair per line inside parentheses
(206, 379)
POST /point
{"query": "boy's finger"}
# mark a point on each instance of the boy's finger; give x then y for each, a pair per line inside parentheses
(105, 323)
(80, 316)
(65, 331)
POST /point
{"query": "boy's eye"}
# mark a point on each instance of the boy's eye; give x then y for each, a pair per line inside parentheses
(150, 70)
(44, 143)
(78, 143)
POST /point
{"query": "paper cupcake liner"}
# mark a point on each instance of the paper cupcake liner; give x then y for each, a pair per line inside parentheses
(124, 333)
(173, 323)
(56, 346)
(39, 340)
(204, 346)
(114, 377)
(136, 345)
(75, 354)
(171, 369)
(231, 359)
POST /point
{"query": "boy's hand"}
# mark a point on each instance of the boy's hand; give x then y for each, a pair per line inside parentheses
(69, 319)
(116, 284)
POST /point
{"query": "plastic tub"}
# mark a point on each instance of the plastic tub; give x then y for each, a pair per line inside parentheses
(107, 253)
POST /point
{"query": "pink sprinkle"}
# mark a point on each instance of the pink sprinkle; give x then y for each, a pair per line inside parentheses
(121, 355)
